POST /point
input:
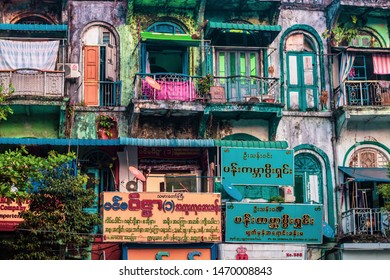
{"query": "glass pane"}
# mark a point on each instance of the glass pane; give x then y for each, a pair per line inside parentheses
(308, 70)
(232, 64)
(298, 188)
(292, 70)
(294, 101)
(242, 64)
(313, 188)
(181, 183)
(221, 63)
(253, 64)
(309, 98)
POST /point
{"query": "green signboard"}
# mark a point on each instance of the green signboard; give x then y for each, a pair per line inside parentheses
(250, 166)
(273, 223)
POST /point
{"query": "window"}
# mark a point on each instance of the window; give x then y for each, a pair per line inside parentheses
(302, 80)
(100, 67)
(308, 179)
(368, 158)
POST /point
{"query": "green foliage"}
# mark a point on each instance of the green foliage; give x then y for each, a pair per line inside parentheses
(55, 226)
(343, 32)
(19, 170)
(384, 190)
(278, 199)
(204, 85)
(5, 94)
(105, 123)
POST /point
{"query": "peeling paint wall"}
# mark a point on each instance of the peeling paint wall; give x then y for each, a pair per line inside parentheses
(222, 128)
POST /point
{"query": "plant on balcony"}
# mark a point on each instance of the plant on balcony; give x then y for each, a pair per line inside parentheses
(106, 126)
(204, 85)
(276, 199)
(5, 94)
(343, 33)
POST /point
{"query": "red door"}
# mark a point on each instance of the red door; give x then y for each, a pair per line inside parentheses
(91, 75)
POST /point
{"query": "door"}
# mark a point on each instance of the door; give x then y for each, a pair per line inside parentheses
(91, 75)
(93, 183)
(238, 67)
(302, 91)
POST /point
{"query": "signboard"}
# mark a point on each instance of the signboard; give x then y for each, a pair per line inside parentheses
(248, 166)
(273, 223)
(10, 213)
(161, 217)
(252, 251)
(169, 254)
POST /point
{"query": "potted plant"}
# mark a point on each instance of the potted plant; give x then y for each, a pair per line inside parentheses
(343, 33)
(204, 85)
(106, 126)
(276, 199)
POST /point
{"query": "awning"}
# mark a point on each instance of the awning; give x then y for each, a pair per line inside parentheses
(44, 31)
(266, 32)
(142, 142)
(169, 39)
(367, 174)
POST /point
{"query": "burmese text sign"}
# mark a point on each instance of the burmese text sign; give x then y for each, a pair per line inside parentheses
(253, 166)
(273, 223)
(161, 217)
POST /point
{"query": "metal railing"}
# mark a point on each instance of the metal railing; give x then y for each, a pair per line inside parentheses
(366, 93)
(366, 3)
(110, 93)
(364, 221)
(34, 82)
(178, 87)
(311, 2)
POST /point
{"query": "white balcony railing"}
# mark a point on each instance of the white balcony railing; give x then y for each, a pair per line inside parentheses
(34, 82)
(367, 93)
(365, 221)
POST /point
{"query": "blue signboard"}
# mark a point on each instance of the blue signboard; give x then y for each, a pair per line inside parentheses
(273, 223)
(250, 166)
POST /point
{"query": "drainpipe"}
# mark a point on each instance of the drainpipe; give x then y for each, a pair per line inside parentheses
(202, 8)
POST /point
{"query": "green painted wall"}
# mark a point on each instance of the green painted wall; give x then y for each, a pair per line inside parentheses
(32, 121)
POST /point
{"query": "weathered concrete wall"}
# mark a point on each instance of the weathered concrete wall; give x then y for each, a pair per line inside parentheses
(222, 128)
(359, 131)
(85, 13)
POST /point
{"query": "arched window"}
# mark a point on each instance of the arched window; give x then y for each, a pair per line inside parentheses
(368, 158)
(99, 167)
(301, 75)
(308, 179)
(166, 27)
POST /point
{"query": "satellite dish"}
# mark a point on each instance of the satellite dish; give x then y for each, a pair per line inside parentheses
(327, 231)
(232, 191)
(137, 174)
(152, 82)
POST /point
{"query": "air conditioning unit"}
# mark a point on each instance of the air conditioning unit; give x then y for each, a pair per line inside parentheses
(71, 70)
(288, 193)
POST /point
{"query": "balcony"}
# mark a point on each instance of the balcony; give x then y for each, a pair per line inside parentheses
(367, 221)
(367, 93)
(110, 93)
(31, 82)
(178, 87)
(366, 3)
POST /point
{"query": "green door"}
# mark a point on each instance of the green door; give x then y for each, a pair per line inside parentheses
(302, 89)
(93, 183)
(237, 70)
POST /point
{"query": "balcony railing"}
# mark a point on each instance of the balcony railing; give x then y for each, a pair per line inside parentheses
(178, 87)
(366, 3)
(110, 93)
(365, 221)
(34, 82)
(310, 2)
(366, 93)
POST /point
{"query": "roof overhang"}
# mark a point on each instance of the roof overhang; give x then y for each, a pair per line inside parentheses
(169, 39)
(267, 33)
(359, 174)
(34, 31)
(143, 142)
